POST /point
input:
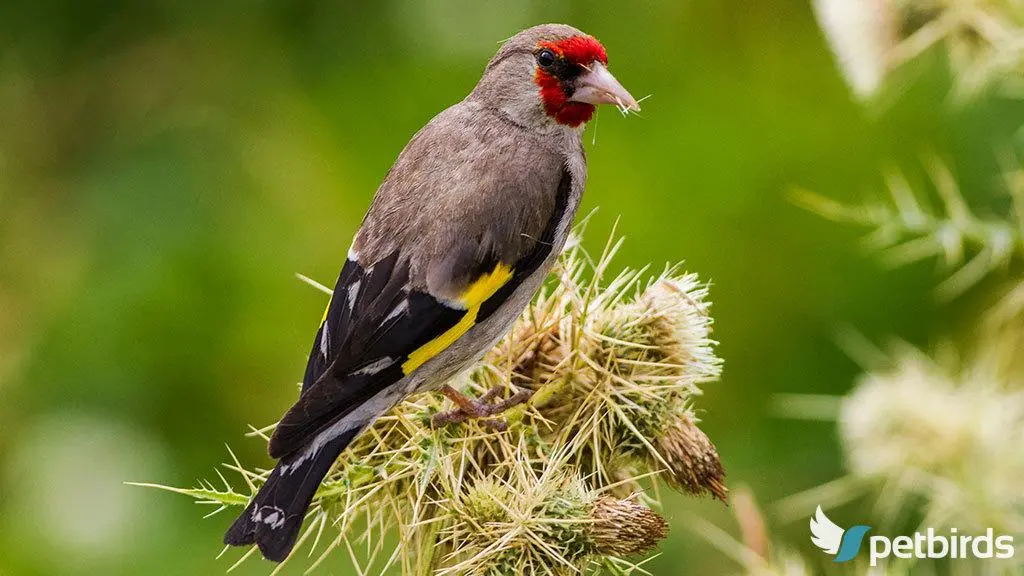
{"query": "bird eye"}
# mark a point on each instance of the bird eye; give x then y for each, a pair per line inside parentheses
(545, 58)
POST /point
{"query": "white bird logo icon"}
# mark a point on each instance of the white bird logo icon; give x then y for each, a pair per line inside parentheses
(825, 534)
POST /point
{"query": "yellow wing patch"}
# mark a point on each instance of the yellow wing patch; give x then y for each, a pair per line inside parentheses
(435, 346)
(485, 286)
(475, 295)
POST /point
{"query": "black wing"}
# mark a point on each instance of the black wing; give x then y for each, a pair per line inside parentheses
(372, 323)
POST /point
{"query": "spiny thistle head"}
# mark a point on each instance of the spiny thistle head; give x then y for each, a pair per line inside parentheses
(693, 460)
(953, 437)
(681, 325)
(624, 528)
(616, 375)
(536, 521)
(640, 364)
(614, 370)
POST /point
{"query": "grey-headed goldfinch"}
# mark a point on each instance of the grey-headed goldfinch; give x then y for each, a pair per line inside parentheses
(459, 237)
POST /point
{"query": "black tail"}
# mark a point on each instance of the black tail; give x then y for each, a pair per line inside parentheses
(274, 517)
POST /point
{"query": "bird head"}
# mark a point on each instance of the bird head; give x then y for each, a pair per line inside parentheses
(551, 73)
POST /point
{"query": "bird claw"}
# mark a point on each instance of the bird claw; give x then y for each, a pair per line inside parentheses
(480, 409)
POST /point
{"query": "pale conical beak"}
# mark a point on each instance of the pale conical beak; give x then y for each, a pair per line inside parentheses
(598, 86)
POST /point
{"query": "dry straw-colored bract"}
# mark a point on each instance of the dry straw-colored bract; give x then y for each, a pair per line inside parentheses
(614, 366)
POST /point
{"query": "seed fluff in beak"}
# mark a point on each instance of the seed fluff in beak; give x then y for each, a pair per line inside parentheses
(598, 86)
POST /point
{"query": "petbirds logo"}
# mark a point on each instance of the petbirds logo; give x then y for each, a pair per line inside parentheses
(846, 544)
(827, 535)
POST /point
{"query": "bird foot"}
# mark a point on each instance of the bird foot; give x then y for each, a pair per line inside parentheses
(482, 408)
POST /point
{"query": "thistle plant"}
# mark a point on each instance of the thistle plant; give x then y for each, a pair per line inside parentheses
(983, 40)
(936, 438)
(933, 439)
(947, 432)
(907, 230)
(614, 367)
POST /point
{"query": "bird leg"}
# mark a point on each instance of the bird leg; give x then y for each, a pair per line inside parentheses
(482, 408)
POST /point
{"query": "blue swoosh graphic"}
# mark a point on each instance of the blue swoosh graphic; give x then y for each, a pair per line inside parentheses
(850, 545)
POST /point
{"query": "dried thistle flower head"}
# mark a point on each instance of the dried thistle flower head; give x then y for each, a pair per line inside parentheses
(624, 528)
(614, 371)
(541, 521)
(625, 377)
(954, 437)
(693, 461)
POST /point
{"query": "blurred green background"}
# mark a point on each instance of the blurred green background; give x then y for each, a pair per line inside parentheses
(167, 167)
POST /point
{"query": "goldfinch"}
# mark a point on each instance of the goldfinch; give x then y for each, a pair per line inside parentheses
(459, 237)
